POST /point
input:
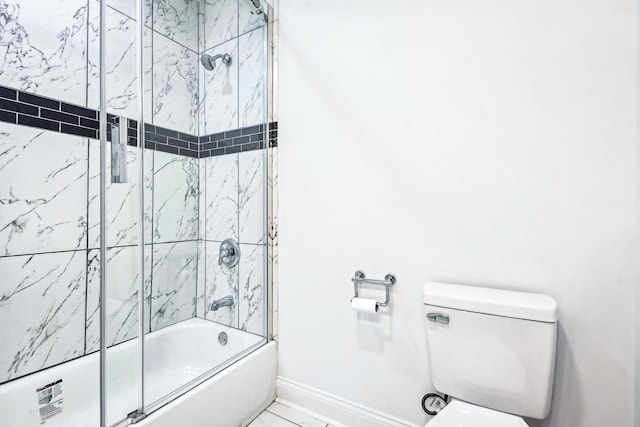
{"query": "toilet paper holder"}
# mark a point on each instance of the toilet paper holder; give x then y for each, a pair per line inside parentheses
(360, 278)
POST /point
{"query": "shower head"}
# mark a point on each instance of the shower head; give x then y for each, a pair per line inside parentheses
(209, 62)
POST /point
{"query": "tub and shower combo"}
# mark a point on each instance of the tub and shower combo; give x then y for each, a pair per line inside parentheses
(134, 275)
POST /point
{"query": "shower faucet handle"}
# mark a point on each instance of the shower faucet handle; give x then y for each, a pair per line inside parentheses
(229, 254)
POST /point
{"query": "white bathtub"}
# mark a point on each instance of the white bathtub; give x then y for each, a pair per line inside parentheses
(178, 357)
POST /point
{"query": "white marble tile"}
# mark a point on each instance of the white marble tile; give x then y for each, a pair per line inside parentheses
(272, 227)
(220, 21)
(175, 198)
(201, 31)
(274, 67)
(252, 88)
(251, 200)
(248, 21)
(121, 85)
(251, 284)
(295, 416)
(221, 197)
(174, 283)
(44, 52)
(221, 91)
(123, 281)
(175, 85)
(43, 191)
(201, 280)
(202, 114)
(202, 199)
(128, 7)
(123, 200)
(42, 299)
(267, 419)
(178, 20)
(221, 281)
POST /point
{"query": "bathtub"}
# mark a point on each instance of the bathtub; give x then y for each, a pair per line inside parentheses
(179, 362)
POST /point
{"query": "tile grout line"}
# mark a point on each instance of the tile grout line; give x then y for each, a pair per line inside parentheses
(295, 410)
(282, 417)
(152, 28)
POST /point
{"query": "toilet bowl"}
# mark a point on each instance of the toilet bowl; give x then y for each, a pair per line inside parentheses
(463, 414)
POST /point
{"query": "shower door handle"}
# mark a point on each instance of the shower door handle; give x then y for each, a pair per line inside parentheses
(119, 152)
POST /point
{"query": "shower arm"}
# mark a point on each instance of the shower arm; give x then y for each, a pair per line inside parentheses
(226, 58)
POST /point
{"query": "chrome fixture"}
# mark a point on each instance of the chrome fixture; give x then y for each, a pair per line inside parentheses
(229, 253)
(256, 7)
(227, 301)
(438, 317)
(119, 151)
(209, 62)
(359, 278)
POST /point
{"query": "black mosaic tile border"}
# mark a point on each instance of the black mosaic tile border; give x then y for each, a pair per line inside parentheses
(273, 134)
(27, 109)
(232, 141)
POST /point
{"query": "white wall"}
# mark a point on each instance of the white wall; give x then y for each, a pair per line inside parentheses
(475, 142)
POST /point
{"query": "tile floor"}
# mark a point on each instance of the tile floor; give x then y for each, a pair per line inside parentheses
(280, 415)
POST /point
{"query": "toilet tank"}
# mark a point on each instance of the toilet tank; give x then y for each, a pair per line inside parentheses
(492, 347)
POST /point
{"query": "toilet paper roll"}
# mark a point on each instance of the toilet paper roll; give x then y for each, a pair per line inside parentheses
(365, 305)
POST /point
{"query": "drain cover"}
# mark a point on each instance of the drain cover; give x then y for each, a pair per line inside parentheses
(223, 338)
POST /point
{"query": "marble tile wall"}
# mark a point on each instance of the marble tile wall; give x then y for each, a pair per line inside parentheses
(43, 236)
(234, 199)
(56, 54)
(232, 95)
(45, 53)
(49, 240)
(49, 218)
(173, 295)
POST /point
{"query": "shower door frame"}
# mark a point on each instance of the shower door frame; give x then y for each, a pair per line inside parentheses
(138, 414)
(142, 409)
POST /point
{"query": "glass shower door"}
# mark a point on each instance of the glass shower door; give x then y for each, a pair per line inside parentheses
(120, 184)
(208, 303)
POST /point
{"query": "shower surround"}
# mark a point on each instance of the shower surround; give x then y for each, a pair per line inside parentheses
(204, 174)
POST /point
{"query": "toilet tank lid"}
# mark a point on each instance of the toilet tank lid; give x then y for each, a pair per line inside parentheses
(497, 302)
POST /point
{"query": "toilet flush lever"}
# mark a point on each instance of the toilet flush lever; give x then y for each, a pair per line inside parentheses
(438, 317)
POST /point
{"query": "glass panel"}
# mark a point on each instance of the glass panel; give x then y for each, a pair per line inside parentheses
(125, 208)
(190, 212)
(208, 289)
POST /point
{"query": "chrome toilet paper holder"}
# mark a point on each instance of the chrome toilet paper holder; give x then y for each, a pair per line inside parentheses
(360, 278)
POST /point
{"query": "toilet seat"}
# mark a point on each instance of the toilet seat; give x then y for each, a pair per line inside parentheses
(462, 414)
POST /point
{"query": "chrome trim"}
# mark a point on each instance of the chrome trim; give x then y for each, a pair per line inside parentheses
(438, 317)
(227, 301)
(359, 278)
(141, 143)
(119, 173)
(103, 215)
(229, 253)
(267, 281)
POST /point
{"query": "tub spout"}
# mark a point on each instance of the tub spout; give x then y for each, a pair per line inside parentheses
(222, 302)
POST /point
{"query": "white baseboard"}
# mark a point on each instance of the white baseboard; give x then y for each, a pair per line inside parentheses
(333, 409)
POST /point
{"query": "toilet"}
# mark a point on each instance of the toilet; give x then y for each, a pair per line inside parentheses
(492, 351)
